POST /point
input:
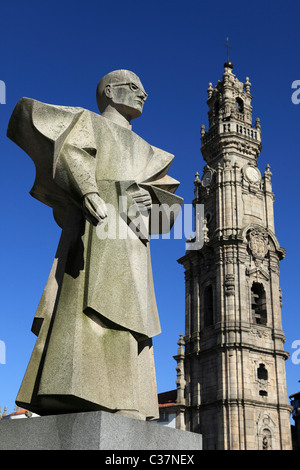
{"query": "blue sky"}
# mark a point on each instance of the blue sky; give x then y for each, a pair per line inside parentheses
(56, 52)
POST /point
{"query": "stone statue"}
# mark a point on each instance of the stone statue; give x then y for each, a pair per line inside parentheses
(98, 314)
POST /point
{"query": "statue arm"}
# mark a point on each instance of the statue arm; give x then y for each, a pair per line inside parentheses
(60, 141)
(75, 172)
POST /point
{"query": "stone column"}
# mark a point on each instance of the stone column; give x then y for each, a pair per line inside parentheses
(180, 382)
(269, 199)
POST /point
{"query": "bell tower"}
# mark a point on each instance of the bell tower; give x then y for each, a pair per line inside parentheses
(234, 359)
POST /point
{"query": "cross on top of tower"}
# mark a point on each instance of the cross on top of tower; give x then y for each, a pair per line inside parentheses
(228, 63)
(228, 47)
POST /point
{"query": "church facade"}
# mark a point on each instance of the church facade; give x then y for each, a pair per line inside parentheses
(231, 380)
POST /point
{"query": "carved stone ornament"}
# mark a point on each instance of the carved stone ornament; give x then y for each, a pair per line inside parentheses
(260, 333)
(265, 432)
(229, 284)
(258, 243)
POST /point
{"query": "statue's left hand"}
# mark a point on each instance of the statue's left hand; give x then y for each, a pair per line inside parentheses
(143, 199)
(94, 208)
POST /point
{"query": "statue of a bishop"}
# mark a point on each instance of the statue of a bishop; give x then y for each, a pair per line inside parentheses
(98, 314)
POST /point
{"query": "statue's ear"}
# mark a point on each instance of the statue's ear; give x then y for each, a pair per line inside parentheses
(107, 91)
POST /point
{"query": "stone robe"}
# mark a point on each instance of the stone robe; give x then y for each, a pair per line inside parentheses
(98, 311)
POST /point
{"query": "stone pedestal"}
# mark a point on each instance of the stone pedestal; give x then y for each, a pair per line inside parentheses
(93, 431)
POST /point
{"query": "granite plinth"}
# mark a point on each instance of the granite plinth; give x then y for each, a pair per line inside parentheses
(97, 430)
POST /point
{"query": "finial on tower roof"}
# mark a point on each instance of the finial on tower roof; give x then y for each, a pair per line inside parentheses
(197, 179)
(210, 90)
(228, 65)
(247, 85)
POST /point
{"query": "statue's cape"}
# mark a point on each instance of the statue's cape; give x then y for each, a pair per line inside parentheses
(41, 130)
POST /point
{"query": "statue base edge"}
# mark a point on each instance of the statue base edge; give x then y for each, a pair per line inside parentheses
(94, 430)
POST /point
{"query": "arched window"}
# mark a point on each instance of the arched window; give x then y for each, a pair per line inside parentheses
(239, 105)
(258, 304)
(266, 440)
(217, 108)
(208, 306)
(262, 373)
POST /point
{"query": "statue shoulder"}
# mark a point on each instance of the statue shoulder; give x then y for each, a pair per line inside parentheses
(164, 153)
(53, 120)
(48, 119)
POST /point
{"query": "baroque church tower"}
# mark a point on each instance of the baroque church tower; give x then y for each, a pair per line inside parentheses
(231, 377)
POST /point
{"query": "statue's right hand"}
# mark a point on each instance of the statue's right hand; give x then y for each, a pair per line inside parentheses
(94, 208)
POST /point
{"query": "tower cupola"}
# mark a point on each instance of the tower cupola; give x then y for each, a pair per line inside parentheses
(230, 121)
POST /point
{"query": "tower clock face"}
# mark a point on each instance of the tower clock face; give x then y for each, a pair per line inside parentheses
(206, 178)
(253, 174)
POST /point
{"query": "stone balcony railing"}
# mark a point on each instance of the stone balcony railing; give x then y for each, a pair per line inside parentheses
(234, 128)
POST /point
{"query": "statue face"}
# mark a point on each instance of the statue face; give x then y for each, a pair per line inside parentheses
(128, 97)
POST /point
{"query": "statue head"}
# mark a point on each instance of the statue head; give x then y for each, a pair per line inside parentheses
(123, 91)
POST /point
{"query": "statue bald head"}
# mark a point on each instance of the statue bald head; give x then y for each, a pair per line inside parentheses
(118, 79)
